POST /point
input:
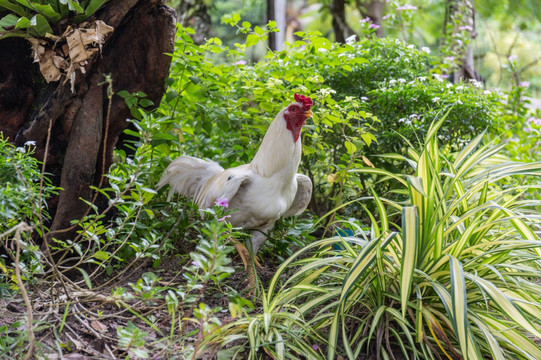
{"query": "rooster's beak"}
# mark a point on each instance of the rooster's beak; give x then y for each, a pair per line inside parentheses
(308, 113)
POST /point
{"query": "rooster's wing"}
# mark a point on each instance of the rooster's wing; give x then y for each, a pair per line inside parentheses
(302, 197)
(187, 175)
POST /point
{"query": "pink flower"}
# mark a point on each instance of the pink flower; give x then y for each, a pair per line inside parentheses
(374, 26)
(240, 62)
(512, 57)
(223, 218)
(465, 27)
(524, 84)
(315, 347)
(222, 202)
(445, 76)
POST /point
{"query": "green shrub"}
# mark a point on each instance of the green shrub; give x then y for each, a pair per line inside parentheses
(22, 199)
(454, 276)
(370, 97)
(20, 195)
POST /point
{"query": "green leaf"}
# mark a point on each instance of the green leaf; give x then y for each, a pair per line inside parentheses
(23, 23)
(459, 304)
(123, 94)
(258, 30)
(40, 25)
(101, 255)
(90, 9)
(88, 282)
(350, 147)
(48, 12)
(251, 40)
(368, 138)
(8, 21)
(19, 10)
(410, 249)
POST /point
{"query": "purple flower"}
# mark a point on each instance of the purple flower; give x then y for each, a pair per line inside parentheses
(512, 57)
(222, 202)
(465, 27)
(445, 76)
(240, 62)
(223, 218)
(534, 120)
(524, 84)
(374, 26)
(406, 7)
(315, 347)
(449, 58)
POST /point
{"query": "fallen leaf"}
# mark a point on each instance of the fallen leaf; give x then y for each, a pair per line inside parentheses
(98, 326)
(332, 178)
(45, 58)
(367, 162)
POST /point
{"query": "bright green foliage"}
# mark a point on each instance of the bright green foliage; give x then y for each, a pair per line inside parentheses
(21, 200)
(37, 18)
(20, 197)
(366, 93)
(455, 279)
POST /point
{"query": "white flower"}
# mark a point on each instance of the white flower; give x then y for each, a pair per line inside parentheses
(421, 78)
(30, 143)
(401, 120)
(392, 81)
(364, 98)
(402, 81)
(458, 101)
(459, 87)
(408, 122)
(397, 42)
(426, 50)
(412, 116)
(406, 7)
(487, 92)
(448, 85)
(350, 40)
(436, 99)
(21, 150)
(411, 46)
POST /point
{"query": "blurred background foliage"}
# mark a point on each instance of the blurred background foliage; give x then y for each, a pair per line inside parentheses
(502, 28)
(393, 127)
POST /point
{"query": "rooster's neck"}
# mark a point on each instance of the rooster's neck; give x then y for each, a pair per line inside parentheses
(279, 151)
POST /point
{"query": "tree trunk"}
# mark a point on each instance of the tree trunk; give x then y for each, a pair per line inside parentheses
(81, 130)
(460, 16)
(373, 9)
(339, 24)
(276, 10)
(194, 13)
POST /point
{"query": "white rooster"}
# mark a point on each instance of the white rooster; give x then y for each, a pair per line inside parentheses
(261, 192)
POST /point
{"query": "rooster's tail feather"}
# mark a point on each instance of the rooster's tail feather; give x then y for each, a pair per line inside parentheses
(187, 175)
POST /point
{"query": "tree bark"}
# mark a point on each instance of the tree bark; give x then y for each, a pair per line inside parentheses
(135, 58)
(339, 24)
(276, 10)
(373, 9)
(460, 14)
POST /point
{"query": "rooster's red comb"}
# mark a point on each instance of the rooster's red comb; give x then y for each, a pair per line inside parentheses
(304, 100)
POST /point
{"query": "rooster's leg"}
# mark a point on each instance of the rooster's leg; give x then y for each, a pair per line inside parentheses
(248, 265)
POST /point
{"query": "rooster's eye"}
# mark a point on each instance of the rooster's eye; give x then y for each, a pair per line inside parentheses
(294, 108)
